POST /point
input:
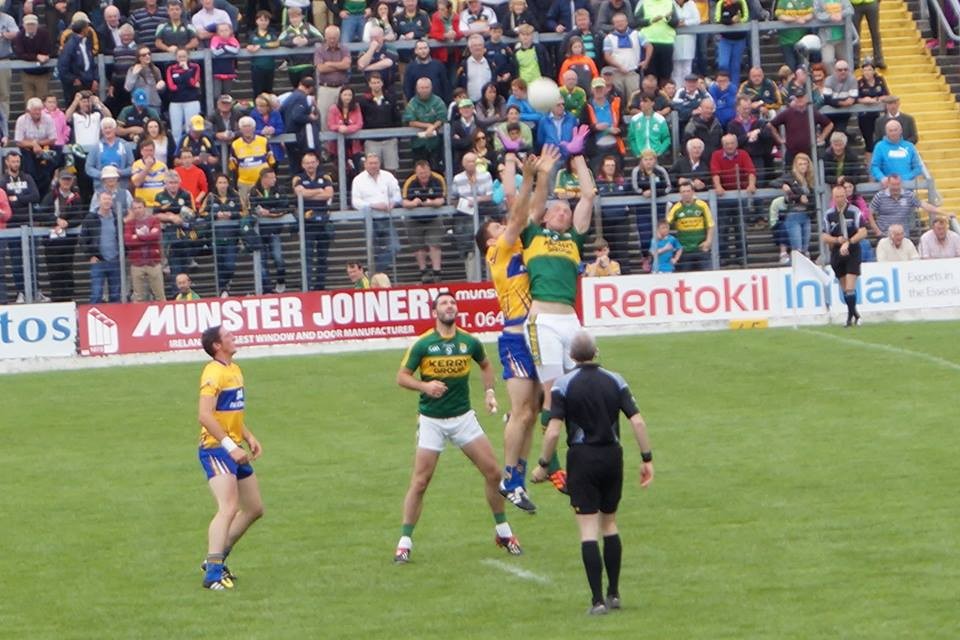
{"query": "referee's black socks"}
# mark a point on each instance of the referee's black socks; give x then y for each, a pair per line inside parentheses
(850, 297)
(590, 551)
(612, 552)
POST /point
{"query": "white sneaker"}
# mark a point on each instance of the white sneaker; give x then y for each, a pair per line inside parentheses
(225, 293)
(20, 298)
(784, 259)
(42, 297)
(280, 288)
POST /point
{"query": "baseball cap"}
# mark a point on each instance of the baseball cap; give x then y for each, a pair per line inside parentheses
(30, 19)
(598, 82)
(691, 77)
(608, 71)
(465, 102)
(80, 17)
(64, 174)
(109, 172)
(225, 98)
(140, 97)
(197, 123)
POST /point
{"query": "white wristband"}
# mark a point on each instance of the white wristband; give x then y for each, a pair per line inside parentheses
(228, 444)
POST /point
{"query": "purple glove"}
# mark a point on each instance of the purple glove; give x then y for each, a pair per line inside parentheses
(575, 146)
(509, 145)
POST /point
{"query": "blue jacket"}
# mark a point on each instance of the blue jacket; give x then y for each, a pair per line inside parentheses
(527, 113)
(559, 13)
(276, 121)
(295, 111)
(547, 131)
(900, 158)
(726, 102)
(94, 165)
(71, 64)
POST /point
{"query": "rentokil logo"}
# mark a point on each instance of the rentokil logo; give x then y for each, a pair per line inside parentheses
(808, 293)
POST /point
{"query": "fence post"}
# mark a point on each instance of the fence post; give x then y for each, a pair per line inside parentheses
(102, 73)
(304, 275)
(447, 155)
(740, 222)
(654, 263)
(118, 217)
(26, 250)
(675, 135)
(715, 246)
(368, 232)
(216, 261)
(475, 272)
(754, 43)
(342, 170)
(208, 80)
(258, 271)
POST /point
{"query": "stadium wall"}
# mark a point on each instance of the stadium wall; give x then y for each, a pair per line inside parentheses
(68, 336)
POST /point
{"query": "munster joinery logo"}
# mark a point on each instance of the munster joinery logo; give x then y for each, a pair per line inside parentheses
(103, 337)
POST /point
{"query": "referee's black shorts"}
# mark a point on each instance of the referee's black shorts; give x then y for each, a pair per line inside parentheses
(595, 477)
(848, 265)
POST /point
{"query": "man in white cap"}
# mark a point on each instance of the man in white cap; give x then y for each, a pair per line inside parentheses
(110, 183)
(33, 44)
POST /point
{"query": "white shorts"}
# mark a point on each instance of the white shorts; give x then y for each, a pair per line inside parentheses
(461, 430)
(549, 336)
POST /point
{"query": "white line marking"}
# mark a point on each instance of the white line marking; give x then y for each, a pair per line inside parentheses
(943, 362)
(517, 571)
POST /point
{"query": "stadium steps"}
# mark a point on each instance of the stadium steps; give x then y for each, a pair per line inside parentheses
(915, 77)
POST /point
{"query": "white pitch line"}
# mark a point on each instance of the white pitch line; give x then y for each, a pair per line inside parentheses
(943, 362)
(517, 571)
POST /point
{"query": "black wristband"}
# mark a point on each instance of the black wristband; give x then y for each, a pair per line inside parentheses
(646, 456)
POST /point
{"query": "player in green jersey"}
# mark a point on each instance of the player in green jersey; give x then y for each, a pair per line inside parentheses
(444, 355)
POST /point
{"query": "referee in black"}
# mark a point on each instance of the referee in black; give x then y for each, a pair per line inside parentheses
(843, 228)
(589, 400)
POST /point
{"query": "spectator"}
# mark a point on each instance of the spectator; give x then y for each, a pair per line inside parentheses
(175, 33)
(896, 247)
(33, 44)
(124, 57)
(476, 18)
(462, 130)
(895, 205)
(345, 118)
(608, 8)
(183, 84)
(602, 265)
(445, 27)
(297, 116)
(556, 128)
(693, 166)
(648, 87)
(175, 208)
(591, 37)
(693, 225)
(377, 190)
(226, 118)
(685, 45)
(840, 91)
(476, 70)
(193, 179)
(316, 190)
(870, 9)
(425, 188)
(134, 117)
(380, 281)
(411, 23)
(301, 35)
(892, 111)
(648, 130)
(110, 183)
(357, 275)
(21, 192)
(627, 52)
(516, 13)
(378, 58)
(754, 137)
(141, 235)
(522, 139)
(223, 204)
(687, 100)
(871, 88)
(798, 12)
(147, 174)
(99, 240)
(576, 72)
(147, 20)
(832, 37)
(269, 203)
(185, 288)
(615, 218)
(649, 180)
(382, 17)
(380, 112)
(532, 59)
(76, 65)
(146, 76)
(163, 144)
(763, 93)
(566, 186)
(518, 97)
(894, 155)
(666, 249)
(706, 127)
(840, 161)
(658, 20)
(262, 68)
(724, 95)
(797, 128)
(560, 16)
(798, 188)
(51, 107)
(85, 115)
(423, 66)
(206, 21)
(35, 136)
(818, 79)
(731, 45)
(201, 145)
(224, 48)
(471, 190)
(427, 112)
(268, 121)
(78, 17)
(843, 229)
(332, 62)
(66, 211)
(353, 14)
(249, 154)
(491, 108)
(603, 116)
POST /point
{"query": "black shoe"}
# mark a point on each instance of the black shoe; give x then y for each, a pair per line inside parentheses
(518, 498)
(425, 276)
(437, 277)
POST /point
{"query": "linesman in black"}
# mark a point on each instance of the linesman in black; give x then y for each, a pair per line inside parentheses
(843, 229)
(589, 400)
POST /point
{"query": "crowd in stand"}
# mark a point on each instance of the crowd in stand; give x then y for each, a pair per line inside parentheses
(145, 165)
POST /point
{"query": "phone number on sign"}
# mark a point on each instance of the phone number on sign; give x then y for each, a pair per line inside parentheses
(486, 320)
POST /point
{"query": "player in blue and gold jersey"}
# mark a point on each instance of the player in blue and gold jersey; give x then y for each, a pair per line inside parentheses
(222, 456)
(504, 253)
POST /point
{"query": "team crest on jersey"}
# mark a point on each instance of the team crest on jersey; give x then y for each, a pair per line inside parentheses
(434, 348)
(448, 349)
(463, 348)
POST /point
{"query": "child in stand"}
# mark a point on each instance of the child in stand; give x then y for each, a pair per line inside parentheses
(668, 249)
(224, 47)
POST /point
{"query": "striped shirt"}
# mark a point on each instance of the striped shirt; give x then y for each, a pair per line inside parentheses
(888, 210)
(146, 25)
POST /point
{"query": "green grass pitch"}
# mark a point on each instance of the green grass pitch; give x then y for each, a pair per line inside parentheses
(806, 487)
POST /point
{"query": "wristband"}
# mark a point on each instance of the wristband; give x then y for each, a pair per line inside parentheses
(228, 444)
(543, 463)
(646, 456)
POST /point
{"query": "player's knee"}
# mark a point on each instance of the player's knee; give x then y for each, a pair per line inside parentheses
(228, 509)
(256, 511)
(419, 483)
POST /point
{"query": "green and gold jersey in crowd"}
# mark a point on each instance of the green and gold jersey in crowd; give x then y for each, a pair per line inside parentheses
(447, 360)
(691, 222)
(553, 261)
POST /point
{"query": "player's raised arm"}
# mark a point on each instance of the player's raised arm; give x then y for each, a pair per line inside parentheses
(549, 157)
(520, 208)
(584, 211)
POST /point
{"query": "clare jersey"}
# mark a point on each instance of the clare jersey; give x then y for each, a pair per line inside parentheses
(152, 184)
(447, 360)
(249, 158)
(553, 260)
(510, 280)
(691, 222)
(224, 383)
